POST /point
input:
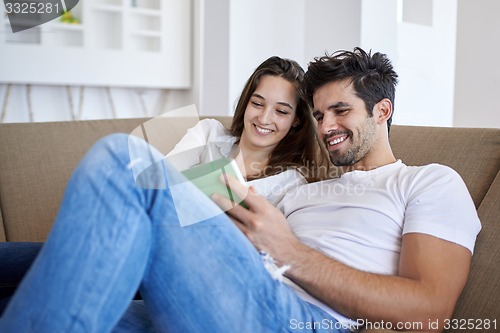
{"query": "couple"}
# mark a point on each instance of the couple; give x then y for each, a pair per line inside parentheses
(395, 249)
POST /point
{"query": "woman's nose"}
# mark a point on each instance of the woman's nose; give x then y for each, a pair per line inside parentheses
(265, 116)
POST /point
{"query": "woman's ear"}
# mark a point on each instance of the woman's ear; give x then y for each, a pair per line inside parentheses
(296, 122)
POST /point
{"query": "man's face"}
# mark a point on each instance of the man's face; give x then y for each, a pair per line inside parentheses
(344, 124)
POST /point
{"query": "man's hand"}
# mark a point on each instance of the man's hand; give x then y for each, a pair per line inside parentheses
(262, 223)
(425, 290)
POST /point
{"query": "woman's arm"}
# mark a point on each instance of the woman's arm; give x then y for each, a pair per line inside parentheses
(190, 150)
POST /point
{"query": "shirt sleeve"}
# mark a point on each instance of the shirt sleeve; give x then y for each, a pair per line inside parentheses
(440, 205)
(189, 150)
(274, 188)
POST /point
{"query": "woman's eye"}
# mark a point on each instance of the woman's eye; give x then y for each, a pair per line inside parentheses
(283, 112)
(257, 104)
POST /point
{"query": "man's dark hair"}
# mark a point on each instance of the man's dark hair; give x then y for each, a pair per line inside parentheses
(372, 76)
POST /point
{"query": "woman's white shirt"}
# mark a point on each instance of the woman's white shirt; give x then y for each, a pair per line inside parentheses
(209, 140)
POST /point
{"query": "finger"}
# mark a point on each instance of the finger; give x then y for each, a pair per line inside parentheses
(238, 190)
(243, 228)
(240, 214)
(227, 205)
(224, 203)
(251, 199)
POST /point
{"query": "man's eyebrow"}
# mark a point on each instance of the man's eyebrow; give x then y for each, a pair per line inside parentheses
(332, 107)
(280, 103)
(339, 105)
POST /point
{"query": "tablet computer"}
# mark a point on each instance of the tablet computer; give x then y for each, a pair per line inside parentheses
(207, 177)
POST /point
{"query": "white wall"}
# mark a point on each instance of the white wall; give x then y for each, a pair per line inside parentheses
(477, 65)
(260, 29)
(442, 82)
(426, 67)
(51, 103)
(379, 28)
(331, 25)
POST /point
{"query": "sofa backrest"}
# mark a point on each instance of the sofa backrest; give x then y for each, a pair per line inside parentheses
(480, 298)
(36, 160)
(473, 152)
(2, 232)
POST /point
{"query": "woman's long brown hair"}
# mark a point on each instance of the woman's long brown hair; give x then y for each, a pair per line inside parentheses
(301, 148)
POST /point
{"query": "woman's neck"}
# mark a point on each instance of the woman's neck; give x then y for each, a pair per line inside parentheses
(251, 161)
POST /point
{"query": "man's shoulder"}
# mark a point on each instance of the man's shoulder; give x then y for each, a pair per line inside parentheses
(429, 177)
(431, 171)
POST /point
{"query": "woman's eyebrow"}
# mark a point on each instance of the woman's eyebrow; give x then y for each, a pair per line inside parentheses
(285, 104)
(280, 103)
(258, 96)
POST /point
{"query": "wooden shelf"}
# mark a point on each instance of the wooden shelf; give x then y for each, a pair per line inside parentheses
(146, 12)
(116, 44)
(108, 8)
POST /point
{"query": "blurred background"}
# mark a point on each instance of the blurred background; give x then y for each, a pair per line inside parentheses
(140, 58)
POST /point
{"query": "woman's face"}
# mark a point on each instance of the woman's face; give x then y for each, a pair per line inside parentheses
(270, 113)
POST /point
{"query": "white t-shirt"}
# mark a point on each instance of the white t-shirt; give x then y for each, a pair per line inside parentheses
(359, 219)
(210, 140)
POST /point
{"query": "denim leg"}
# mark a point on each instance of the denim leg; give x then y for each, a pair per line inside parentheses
(15, 260)
(92, 263)
(135, 320)
(112, 236)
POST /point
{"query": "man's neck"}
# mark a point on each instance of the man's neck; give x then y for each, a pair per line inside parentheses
(375, 158)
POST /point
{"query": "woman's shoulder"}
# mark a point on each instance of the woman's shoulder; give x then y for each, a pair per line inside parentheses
(211, 125)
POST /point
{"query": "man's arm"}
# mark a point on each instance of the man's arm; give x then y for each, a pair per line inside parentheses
(431, 276)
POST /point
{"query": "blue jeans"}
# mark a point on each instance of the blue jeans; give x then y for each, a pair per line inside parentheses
(112, 237)
(15, 260)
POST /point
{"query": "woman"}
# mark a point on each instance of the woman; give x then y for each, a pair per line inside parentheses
(272, 136)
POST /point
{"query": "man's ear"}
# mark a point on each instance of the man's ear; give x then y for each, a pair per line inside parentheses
(383, 111)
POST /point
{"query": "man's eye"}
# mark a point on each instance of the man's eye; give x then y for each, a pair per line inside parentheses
(319, 118)
(342, 111)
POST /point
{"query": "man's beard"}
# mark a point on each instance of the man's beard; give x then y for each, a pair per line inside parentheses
(360, 145)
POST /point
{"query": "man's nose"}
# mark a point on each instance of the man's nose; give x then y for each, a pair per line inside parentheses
(328, 124)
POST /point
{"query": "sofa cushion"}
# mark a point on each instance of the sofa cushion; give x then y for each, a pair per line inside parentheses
(2, 232)
(480, 298)
(473, 152)
(36, 162)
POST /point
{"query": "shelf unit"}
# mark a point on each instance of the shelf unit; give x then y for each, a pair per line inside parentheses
(127, 43)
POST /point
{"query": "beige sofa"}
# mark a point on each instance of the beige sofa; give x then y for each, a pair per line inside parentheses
(36, 160)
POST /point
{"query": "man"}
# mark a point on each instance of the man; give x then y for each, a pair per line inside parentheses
(384, 243)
